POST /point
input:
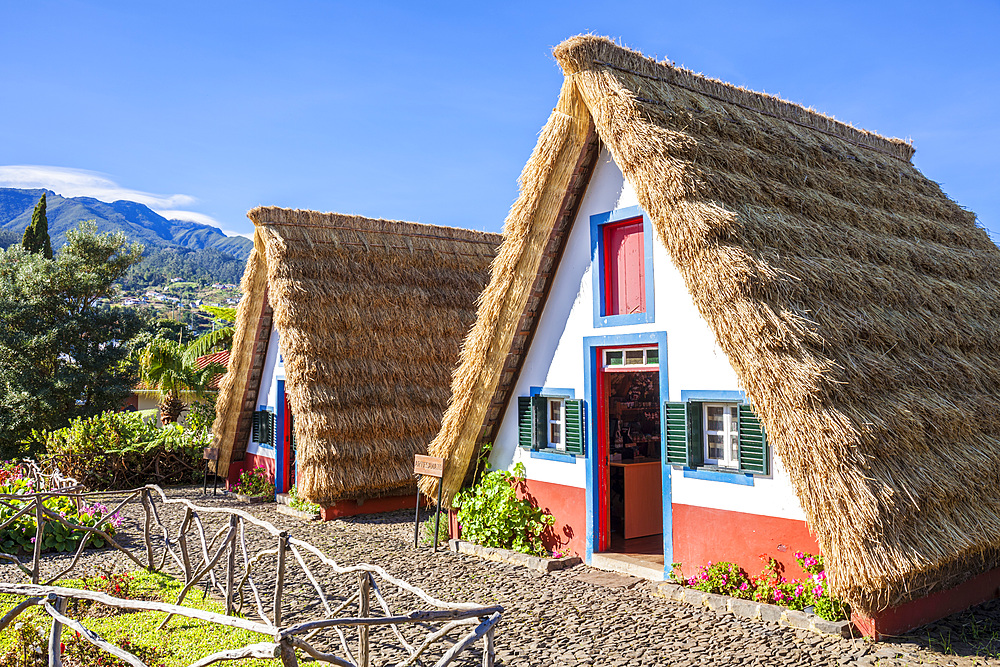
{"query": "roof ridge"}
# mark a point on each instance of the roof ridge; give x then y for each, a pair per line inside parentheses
(585, 52)
(287, 217)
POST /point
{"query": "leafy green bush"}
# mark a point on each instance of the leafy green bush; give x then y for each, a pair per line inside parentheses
(20, 535)
(301, 504)
(121, 450)
(492, 515)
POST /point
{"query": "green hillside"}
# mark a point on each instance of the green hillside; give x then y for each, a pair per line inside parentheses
(137, 221)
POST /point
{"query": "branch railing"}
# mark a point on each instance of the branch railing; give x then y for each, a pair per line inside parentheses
(226, 564)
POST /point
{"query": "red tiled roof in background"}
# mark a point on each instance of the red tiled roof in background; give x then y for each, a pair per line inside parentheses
(221, 358)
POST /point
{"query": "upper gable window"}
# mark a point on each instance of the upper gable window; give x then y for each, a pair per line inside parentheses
(622, 252)
(624, 268)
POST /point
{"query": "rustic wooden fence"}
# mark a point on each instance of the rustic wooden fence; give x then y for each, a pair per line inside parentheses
(224, 564)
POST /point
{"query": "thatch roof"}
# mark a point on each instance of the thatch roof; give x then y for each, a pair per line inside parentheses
(371, 315)
(857, 304)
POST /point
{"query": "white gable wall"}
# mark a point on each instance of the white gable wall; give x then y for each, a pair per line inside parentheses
(694, 361)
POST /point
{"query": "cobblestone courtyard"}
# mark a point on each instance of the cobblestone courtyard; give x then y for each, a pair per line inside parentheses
(557, 619)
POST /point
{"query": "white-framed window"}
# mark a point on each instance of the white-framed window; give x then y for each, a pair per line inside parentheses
(722, 434)
(632, 359)
(556, 414)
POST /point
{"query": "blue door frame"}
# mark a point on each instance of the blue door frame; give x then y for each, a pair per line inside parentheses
(592, 367)
(280, 446)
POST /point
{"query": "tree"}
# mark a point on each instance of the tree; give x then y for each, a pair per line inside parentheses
(167, 369)
(63, 353)
(36, 236)
(219, 338)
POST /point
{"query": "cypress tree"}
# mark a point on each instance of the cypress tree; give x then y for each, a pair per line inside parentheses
(36, 236)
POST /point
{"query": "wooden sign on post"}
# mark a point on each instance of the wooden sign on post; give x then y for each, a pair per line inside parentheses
(429, 466)
(211, 454)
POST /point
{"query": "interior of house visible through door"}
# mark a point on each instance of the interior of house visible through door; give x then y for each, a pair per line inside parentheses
(629, 472)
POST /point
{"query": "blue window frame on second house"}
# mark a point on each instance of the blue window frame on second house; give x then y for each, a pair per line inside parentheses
(621, 248)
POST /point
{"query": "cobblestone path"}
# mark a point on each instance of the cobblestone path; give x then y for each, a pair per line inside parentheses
(556, 619)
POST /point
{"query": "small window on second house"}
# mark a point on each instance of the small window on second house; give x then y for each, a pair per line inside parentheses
(624, 268)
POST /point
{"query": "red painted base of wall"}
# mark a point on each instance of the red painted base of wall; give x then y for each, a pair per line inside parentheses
(350, 507)
(249, 462)
(568, 505)
(935, 606)
(702, 535)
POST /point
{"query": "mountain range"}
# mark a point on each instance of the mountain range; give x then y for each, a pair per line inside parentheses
(138, 222)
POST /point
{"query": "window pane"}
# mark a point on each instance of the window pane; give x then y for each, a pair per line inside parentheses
(554, 433)
(653, 357)
(716, 447)
(633, 357)
(734, 416)
(614, 358)
(715, 418)
(555, 410)
(734, 448)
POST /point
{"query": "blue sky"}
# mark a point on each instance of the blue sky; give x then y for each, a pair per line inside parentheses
(428, 111)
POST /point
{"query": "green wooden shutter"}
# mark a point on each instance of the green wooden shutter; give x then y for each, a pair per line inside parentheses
(676, 416)
(525, 422)
(754, 455)
(574, 426)
(695, 446)
(540, 413)
(255, 430)
(272, 426)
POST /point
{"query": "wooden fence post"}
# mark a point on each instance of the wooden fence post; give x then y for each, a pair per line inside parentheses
(231, 564)
(36, 562)
(55, 638)
(146, 502)
(365, 581)
(489, 652)
(279, 584)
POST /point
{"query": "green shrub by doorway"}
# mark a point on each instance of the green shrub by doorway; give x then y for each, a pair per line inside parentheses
(492, 515)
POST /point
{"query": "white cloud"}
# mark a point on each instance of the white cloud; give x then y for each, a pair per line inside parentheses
(84, 183)
(174, 214)
(230, 232)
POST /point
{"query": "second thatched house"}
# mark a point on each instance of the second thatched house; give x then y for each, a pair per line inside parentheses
(721, 325)
(346, 338)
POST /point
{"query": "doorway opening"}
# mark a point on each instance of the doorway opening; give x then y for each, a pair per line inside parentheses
(630, 473)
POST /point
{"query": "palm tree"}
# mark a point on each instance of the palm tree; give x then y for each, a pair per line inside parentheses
(166, 368)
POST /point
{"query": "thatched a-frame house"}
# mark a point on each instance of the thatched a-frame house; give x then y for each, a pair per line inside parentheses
(804, 273)
(346, 338)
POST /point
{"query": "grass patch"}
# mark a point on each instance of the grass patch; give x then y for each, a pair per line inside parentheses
(182, 642)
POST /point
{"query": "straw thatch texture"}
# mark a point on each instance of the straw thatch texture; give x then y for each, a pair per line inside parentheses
(370, 315)
(856, 302)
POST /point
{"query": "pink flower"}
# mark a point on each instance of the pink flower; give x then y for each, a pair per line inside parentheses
(818, 591)
(799, 589)
(692, 581)
(810, 561)
(799, 554)
(744, 586)
(778, 595)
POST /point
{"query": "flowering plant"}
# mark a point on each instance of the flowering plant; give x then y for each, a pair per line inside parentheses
(20, 535)
(771, 586)
(255, 482)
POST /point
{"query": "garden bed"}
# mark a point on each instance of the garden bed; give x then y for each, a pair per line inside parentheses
(756, 610)
(537, 563)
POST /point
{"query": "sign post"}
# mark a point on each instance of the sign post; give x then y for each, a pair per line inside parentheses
(211, 454)
(430, 466)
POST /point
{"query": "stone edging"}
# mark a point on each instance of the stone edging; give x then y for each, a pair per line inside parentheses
(756, 610)
(544, 565)
(291, 511)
